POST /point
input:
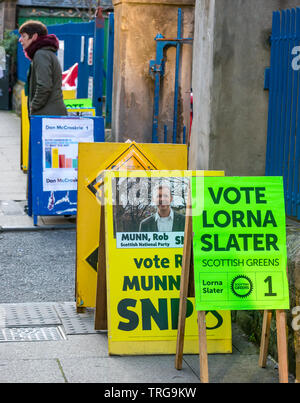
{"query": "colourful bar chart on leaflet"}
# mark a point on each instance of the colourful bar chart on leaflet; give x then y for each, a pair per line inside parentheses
(53, 156)
(54, 159)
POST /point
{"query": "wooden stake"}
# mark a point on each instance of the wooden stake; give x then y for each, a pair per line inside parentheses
(101, 295)
(265, 337)
(282, 346)
(184, 282)
(202, 347)
(184, 285)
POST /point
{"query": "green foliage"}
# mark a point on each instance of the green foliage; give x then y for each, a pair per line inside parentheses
(10, 43)
(252, 338)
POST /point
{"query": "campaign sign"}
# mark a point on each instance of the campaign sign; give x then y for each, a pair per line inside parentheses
(78, 103)
(94, 160)
(145, 222)
(53, 168)
(240, 258)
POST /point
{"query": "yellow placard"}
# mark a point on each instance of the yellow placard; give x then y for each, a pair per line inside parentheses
(24, 132)
(143, 266)
(93, 159)
(25, 126)
(69, 94)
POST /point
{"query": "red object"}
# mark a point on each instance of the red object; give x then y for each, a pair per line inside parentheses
(99, 18)
(70, 78)
(40, 42)
(62, 161)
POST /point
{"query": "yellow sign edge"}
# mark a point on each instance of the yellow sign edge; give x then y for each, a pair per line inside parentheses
(217, 346)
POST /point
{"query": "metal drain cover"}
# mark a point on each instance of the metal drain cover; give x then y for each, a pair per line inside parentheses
(31, 334)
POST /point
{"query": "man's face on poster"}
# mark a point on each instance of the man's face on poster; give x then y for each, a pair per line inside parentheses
(162, 199)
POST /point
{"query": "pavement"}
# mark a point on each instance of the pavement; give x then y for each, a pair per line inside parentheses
(49, 342)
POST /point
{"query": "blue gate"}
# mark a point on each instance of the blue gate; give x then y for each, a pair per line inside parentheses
(90, 44)
(76, 39)
(282, 80)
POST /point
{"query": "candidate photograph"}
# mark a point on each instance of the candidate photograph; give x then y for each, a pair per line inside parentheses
(165, 219)
(149, 204)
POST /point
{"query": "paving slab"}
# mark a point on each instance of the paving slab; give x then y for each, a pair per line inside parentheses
(13, 181)
(74, 347)
(13, 215)
(134, 369)
(238, 368)
(31, 371)
(11, 207)
(84, 358)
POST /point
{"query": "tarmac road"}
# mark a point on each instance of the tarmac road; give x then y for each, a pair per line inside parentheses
(37, 266)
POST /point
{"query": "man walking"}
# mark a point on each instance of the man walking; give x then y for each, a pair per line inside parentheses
(45, 75)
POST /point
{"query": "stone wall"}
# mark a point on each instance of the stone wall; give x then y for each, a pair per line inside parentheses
(137, 22)
(7, 16)
(231, 52)
(10, 14)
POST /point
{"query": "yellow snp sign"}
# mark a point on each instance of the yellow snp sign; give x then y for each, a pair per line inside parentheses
(144, 227)
(93, 159)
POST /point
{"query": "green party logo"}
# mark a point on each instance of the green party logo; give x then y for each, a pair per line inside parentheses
(241, 286)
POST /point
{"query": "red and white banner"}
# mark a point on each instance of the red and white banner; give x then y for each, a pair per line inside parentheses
(70, 78)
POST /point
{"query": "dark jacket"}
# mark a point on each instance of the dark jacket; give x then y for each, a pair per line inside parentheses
(44, 84)
(150, 225)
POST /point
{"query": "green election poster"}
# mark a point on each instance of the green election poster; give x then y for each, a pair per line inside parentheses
(78, 103)
(239, 243)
